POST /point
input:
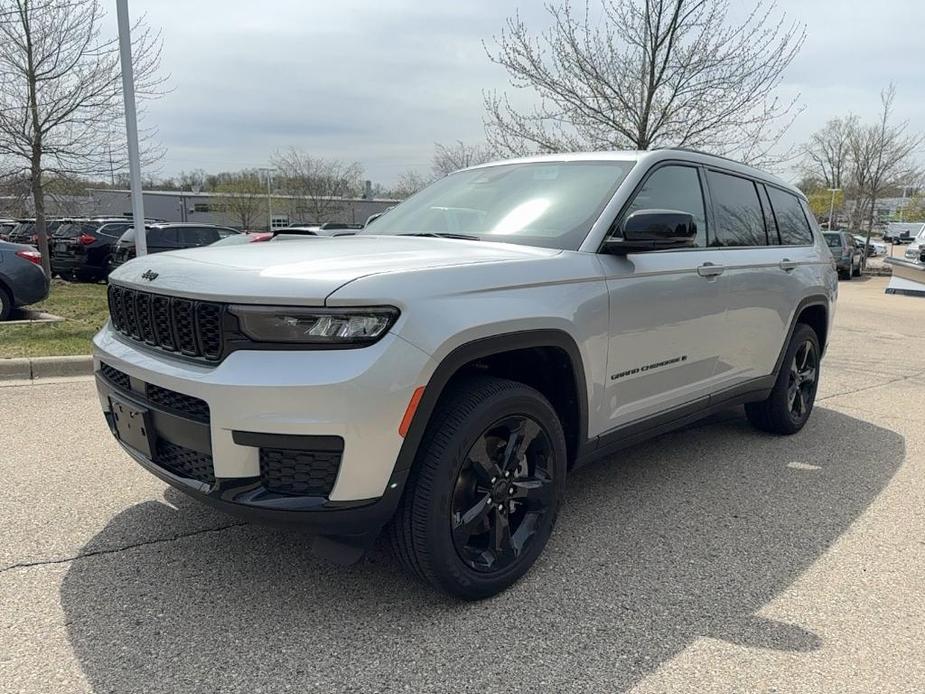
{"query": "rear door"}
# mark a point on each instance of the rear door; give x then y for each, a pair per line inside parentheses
(666, 314)
(767, 244)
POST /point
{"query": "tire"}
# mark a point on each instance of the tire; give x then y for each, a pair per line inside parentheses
(6, 304)
(849, 274)
(781, 413)
(454, 509)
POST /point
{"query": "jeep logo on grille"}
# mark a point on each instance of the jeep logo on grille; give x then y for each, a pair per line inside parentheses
(149, 275)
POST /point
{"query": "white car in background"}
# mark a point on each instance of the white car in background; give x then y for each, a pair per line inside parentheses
(879, 248)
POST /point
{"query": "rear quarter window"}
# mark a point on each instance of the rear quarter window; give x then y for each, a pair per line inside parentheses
(791, 220)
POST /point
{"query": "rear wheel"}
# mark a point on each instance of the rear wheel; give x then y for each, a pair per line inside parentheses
(485, 490)
(6, 304)
(791, 401)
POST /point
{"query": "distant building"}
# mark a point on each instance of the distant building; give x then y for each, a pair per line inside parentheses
(210, 208)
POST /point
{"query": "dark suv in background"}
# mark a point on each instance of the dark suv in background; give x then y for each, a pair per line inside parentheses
(849, 256)
(24, 232)
(169, 237)
(81, 249)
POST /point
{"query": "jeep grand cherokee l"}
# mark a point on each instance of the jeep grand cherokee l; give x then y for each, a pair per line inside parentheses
(440, 373)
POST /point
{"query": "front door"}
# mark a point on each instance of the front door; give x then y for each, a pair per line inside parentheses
(666, 310)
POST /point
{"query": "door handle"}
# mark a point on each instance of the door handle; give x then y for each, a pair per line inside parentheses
(787, 265)
(710, 270)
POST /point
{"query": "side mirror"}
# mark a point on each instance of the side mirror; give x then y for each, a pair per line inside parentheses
(653, 230)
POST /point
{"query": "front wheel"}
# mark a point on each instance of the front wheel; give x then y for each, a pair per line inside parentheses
(485, 489)
(791, 401)
(6, 304)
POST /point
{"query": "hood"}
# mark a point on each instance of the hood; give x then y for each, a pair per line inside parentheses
(305, 271)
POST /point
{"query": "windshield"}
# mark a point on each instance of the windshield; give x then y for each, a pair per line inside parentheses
(551, 204)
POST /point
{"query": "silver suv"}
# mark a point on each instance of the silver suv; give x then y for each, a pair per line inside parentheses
(440, 373)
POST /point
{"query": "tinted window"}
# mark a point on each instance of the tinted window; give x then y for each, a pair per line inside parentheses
(834, 240)
(739, 217)
(162, 237)
(197, 236)
(791, 222)
(114, 230)
(674, 188)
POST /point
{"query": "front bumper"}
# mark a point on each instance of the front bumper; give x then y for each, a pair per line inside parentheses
(358, 396)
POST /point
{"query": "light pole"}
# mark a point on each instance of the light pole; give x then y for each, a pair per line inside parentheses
(131, 126)
(268, 171)
(832, 206)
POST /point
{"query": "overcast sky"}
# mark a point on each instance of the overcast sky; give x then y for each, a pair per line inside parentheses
(380, 81)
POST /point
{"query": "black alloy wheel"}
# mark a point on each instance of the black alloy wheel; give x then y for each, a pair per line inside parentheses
(801, 388)
(503, 490)
(484, 491)
(791, 400)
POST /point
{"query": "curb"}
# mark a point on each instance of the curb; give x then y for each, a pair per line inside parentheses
(38, 368)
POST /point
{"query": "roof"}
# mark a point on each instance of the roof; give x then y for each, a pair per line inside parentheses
(652, 156)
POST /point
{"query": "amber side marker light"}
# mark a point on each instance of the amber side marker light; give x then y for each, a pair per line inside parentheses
(410, 410)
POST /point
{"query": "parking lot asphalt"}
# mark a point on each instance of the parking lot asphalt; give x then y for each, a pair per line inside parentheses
(713, 559)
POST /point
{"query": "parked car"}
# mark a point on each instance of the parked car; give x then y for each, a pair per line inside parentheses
(22, 232)
(22, 279)
(6, 226)
(169, 236)
(244, 237)
(441, 380)
(82, 249)
(874, 247)
(902, 232)
(849, 256)
(909, 271)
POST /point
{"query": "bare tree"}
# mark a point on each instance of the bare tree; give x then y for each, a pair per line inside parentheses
(827, 155)
(409, 183)
(61, 93)
(317, 185)
(448, 159)
(242, 198)
(882, 157)
(642, 74)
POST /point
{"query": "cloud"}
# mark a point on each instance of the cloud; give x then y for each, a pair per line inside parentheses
(381, 82)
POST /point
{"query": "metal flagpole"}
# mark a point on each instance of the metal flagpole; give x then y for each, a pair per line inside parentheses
(131, 127)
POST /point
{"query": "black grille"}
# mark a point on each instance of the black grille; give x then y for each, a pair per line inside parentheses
(117, 378)
(193, 328)
(184, 461)
(302, 473)
(185, 405)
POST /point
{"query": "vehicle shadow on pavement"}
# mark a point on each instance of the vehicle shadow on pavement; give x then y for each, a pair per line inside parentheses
(685, 536)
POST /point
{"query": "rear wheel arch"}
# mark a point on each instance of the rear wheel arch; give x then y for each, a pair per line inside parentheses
(513, 356)
(814, 312)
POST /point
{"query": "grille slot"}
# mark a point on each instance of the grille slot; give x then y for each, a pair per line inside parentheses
(299, 473)
(192, 328)
(185, 405)
(184, 461)
(117, 378)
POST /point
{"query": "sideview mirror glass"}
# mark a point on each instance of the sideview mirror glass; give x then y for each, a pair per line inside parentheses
(652, 230)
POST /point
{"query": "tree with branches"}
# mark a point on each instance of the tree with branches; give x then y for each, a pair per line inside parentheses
(450, 158)
(642, 74)
(61, 108)
(242, 198)
(882, 157)
(317, 185)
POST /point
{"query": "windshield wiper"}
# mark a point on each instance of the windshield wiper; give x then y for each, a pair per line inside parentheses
(444, 235)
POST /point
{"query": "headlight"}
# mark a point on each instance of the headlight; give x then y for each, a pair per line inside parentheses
(319, 326)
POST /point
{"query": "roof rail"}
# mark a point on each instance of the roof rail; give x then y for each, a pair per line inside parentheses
(700, 151)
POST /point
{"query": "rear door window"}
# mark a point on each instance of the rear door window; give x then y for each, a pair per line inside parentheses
(113, 230)
(739, 217)
(791, 221)
(162, 238)
(197, 236)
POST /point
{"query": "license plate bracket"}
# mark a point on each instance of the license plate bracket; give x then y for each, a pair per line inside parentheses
(133, 425)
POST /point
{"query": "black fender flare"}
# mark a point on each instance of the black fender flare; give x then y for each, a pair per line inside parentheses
(806, 302)
(484, 347)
